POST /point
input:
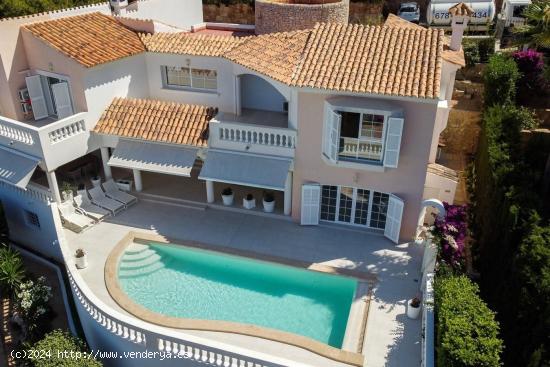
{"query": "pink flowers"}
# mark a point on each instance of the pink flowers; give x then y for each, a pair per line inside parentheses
(450, 235)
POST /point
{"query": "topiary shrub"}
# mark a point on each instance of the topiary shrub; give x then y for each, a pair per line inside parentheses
(467, 332)
(500, 79)
(55, 350)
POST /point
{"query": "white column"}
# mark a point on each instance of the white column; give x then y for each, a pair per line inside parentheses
(105, 159)
(238, 106)
(54, 188)
(288, 194)
(209, 191)
(137, 180)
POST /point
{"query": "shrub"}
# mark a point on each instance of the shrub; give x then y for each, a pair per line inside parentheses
(449, 235)
(57, 347)
(531, 66)
(471, 52)
(500, 78)
(32, 303)
(467, 332)
(478, 50)
(12, 272)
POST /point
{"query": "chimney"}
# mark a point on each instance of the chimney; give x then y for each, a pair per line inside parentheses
(460, 15)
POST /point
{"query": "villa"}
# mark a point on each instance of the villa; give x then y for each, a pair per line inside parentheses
(308, 144)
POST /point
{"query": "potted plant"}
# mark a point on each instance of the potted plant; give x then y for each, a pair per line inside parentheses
(249, 202)
(227, 196)
(413, 308)
(66, 191)
(96, 180)
(81, 259)
(269, 202)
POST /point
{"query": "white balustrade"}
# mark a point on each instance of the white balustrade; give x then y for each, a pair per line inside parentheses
(15, 133)
(356, 148)
(149, 339)
(428, 323)
(65, 132)
(252, 138)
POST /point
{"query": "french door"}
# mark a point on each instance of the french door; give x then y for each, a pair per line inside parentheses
(355, 206)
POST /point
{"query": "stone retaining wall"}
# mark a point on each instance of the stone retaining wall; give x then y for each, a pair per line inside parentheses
(275, 16)
(359, 12)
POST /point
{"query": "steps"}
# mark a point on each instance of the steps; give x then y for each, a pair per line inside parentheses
(139, 260)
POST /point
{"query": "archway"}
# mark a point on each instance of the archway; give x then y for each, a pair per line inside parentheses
(429, 203)
(256, 93)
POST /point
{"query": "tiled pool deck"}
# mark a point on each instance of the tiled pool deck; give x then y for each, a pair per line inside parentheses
(391, 338)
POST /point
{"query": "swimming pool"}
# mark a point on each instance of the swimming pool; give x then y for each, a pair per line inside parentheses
(191, 283)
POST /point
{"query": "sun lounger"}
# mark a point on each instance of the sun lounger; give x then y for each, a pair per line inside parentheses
(84, 205)
(112, 191)
(98, 198)
(72, 219)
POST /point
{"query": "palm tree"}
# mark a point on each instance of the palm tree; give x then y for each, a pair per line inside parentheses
(536, 30)
(12, 272)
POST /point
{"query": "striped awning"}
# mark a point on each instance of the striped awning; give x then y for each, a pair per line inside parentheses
(16, 168)
(246, 169)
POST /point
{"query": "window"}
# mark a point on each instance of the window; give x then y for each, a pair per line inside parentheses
(361, 136)
(355, 206)
(176, 76)
(31, 219)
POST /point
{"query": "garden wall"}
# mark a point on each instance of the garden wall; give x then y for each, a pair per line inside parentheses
(359, 12)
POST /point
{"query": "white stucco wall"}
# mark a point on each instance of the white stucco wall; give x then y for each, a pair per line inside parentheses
(44, 239)
(178, 13)
(223, 98)
(406, 181)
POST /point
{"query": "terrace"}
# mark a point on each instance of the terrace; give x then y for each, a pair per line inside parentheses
(390, 338)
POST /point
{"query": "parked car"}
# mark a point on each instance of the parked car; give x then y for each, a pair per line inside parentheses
(410, 12)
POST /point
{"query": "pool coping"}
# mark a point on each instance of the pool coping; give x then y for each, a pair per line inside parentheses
(324, 350)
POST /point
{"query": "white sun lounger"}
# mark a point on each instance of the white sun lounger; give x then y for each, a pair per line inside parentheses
(112, 191)
(98, 198)
(84, 204)
(72, 219)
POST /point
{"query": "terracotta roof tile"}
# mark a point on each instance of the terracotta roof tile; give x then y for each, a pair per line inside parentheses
(275, 54)
(167, 122)
(404, 61)
(90, 39)
(190, 43)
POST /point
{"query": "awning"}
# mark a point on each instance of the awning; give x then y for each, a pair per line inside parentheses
(153, 157)
(16, 168)
(246, 169)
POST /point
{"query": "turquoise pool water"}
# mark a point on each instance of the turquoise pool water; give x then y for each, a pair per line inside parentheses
(199, 284)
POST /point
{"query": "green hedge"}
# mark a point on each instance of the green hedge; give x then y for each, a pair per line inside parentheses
(467, 332)
(55, 351)
(478, 50)
(510, 221)
(500, 79)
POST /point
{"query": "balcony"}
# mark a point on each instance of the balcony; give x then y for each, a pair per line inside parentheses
(55, 143)
(254, 131)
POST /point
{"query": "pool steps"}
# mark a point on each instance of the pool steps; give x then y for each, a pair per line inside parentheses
(139, 260)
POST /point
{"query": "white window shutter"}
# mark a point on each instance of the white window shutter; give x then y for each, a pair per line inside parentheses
(393, 142)
(334, 136)
(36, 95)
(62, 98)
(311, 198)
(393, 218)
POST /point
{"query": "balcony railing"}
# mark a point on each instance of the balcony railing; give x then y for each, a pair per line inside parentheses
(44, 142)
(357, 149)
(252, 138)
